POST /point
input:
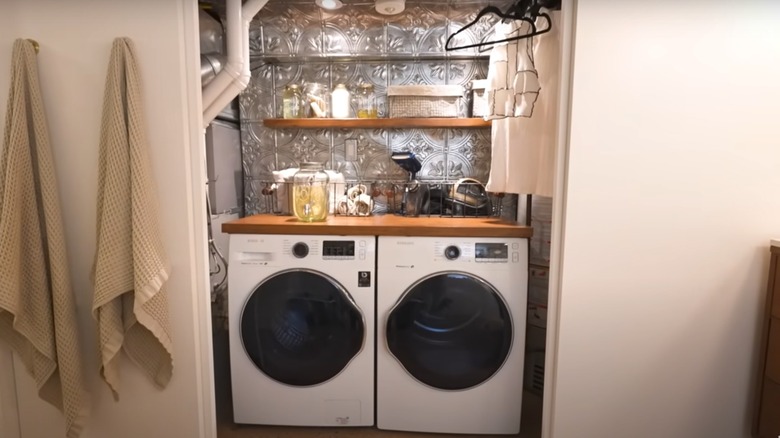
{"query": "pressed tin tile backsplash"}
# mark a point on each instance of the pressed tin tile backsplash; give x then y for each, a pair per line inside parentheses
(289, 43)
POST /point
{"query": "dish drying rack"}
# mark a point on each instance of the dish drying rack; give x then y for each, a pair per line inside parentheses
(462, 199)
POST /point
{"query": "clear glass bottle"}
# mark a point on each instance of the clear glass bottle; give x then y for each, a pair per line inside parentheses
(316, 97)
(366, 102)
(292, 102)
(310, 193)
(339, 105)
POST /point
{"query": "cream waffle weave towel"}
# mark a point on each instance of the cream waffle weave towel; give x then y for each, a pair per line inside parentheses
(37, 307)
(130, 267)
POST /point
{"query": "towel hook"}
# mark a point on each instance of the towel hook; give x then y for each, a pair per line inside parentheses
(35, 44)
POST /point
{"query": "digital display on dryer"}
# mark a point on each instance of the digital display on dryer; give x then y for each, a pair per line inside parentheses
(338, 248)
(491, 251)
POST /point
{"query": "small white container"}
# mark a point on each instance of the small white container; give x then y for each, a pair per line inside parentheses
(339, 106)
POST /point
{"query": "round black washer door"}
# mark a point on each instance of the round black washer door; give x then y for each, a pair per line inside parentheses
(301, 327)
(450, 331)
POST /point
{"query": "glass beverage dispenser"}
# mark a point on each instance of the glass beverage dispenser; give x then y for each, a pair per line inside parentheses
(310, 193)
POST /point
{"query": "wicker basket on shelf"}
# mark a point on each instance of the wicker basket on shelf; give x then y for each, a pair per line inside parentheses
(425, 100)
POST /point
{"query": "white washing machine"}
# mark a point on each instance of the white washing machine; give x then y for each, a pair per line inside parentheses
(301, 314)
(451, 334)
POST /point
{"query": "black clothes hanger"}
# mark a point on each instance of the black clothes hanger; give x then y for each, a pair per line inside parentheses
(487, 45)
(522, 10)
(512, 14)
(552, 5)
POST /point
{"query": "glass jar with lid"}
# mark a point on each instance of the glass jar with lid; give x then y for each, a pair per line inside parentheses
(316, 97)
(292, 102)
(366, 102)
(310, 193)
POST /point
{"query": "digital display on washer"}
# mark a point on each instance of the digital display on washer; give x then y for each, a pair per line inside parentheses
(338, 248)
(491, 251)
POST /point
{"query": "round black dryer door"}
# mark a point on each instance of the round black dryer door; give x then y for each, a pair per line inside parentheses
(301, 327)
(450, 331)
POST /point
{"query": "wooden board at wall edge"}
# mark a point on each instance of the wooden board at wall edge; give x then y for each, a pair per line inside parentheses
(379, 225)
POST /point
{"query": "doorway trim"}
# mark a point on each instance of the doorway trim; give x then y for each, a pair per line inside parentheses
(568, 32)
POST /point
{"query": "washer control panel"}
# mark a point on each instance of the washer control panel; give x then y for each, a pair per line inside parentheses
(338, 249)
(328, 249)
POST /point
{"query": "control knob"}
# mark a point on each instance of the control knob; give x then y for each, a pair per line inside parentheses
(452, 252)
(300, 250)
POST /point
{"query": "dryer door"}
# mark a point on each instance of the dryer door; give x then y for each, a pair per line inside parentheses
(301, 327)
(451, 330)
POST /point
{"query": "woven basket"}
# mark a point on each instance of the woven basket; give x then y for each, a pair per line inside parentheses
(425, 100)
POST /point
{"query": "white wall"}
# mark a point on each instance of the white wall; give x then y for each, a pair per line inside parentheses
(672, 195)
(75, 39)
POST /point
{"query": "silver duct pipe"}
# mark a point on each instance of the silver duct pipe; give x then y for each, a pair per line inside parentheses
(210, 65)
(212, 47)
(212, 34)
(235, 75)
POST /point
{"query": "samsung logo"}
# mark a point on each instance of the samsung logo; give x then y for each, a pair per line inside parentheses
(405, 242)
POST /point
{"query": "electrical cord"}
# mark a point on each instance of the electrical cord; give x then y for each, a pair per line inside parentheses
(215, 254)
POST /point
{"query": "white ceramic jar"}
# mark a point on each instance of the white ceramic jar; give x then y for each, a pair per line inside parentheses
(339, 106)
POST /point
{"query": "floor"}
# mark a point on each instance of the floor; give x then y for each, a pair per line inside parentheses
(531, 421)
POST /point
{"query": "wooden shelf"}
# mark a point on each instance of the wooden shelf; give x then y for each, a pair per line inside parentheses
(379, 225)
(388, 123)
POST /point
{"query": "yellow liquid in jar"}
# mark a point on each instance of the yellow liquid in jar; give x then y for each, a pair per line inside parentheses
(310, 202)
(366, 114)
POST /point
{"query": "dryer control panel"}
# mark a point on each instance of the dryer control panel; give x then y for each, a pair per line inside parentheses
(477, 252)
(491, 252)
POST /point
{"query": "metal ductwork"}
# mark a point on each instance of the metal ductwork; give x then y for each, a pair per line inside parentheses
(212, 47)
(210, 65)
(234, 76)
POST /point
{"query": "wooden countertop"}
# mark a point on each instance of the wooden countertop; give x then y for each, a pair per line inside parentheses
(379, 225)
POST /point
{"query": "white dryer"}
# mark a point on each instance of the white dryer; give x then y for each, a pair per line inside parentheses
(451, 334)
(301, 314)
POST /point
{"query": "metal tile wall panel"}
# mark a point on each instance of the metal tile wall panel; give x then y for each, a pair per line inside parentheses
(289, 28)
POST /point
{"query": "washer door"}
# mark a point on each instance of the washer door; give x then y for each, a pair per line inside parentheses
(450, 331)
(301, 327)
